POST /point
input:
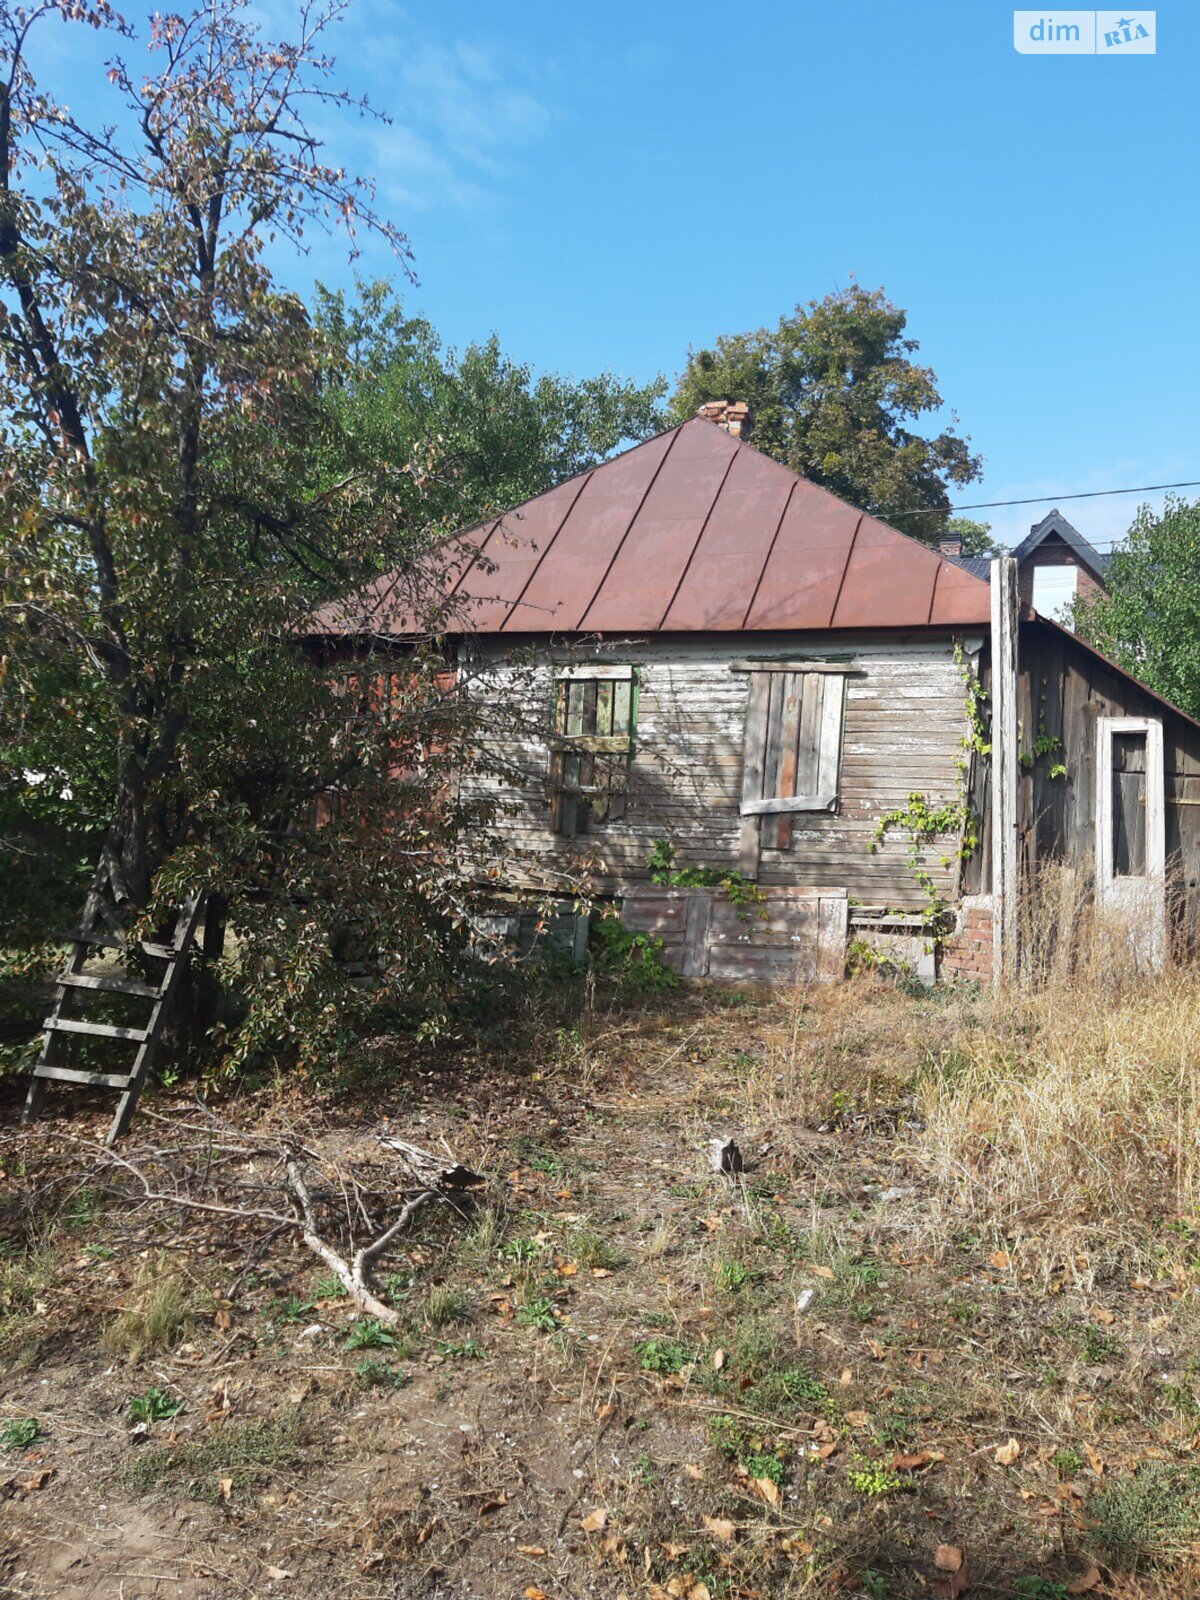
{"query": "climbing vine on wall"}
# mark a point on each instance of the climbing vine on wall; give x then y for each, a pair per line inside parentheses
(926, 821)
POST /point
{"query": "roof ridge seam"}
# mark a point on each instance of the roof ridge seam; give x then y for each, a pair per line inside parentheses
(762, 572)
(937, 575)
(703, 528)
(579, 626)
(837, 599)
(585, 480)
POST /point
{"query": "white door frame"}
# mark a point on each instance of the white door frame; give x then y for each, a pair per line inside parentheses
(1141, 899)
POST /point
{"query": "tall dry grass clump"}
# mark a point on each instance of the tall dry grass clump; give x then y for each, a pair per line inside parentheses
(1069, 1104)
(1063, 1111)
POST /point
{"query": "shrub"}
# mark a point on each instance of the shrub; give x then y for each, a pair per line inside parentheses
(631, 961)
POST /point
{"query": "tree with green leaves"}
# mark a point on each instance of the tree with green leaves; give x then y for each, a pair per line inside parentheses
(1149, 621)
(478, 429)
(976, 536)
(176, 494)
(834, 394)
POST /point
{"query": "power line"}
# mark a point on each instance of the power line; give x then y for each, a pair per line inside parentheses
(1036, 500)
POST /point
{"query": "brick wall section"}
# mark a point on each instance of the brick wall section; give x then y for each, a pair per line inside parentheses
(966, 954)
(1055, 555)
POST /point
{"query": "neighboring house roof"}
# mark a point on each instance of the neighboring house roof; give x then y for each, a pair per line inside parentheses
(1054, 523)
(977, 566)
(693, 530)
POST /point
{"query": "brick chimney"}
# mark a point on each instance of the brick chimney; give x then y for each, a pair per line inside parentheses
(951, 545)
(733, 416)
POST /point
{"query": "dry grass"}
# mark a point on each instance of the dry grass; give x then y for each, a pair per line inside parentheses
(157, 1313)
(1064, 1112)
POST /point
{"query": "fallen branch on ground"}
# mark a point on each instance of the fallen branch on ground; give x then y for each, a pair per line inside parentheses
(237, 1177)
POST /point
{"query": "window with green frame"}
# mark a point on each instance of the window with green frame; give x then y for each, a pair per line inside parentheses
(591, 747)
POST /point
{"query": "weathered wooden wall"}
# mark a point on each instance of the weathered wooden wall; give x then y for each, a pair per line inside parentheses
(903, 732)
(790, 936)
(1063, 688)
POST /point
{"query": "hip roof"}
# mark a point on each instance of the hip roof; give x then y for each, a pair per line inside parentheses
(693, 530)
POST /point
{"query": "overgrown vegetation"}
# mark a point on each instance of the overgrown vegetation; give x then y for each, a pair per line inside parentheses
(952, 1303)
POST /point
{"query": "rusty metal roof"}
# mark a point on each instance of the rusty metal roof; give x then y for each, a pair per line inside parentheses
(691, 531)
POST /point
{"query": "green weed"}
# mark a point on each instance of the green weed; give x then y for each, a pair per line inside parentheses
(156, 1405)
(663, 1355)
(18, 1433)
(368, 1333)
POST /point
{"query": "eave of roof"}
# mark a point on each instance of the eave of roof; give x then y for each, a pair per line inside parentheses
(1054, 523)
(1153, 694)
(692, 531)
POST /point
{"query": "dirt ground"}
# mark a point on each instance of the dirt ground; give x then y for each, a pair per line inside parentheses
(619, 1375)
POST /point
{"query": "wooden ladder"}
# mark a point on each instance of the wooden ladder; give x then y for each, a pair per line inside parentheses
(102, 928)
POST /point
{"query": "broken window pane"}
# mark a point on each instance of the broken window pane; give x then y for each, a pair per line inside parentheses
(592, 748)
(1129, 804)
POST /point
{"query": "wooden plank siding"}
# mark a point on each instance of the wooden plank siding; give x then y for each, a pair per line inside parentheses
(903, 731)
(1063, 691)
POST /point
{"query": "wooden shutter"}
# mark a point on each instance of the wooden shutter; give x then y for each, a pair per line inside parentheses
(791, 757)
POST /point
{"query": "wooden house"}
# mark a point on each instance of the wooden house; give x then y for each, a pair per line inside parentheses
(690, 651)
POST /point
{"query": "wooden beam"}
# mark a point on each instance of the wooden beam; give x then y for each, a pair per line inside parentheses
(753, 763)
(1005, 769)
(786, 804)
(849, 668)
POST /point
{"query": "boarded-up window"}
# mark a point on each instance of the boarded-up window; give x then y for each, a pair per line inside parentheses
(792, 754)
(595, 709)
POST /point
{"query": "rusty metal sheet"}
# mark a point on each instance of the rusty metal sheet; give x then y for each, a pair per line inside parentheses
(692, 530)
(959, 599)
(660, 540)
(803, 575)
(572, 570)
(889, 580)
(728, 560)
(514, 548)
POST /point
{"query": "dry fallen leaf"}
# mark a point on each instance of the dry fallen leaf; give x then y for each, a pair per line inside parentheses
(1006, 1454)
(822, 1272)
(595, 1520)
(718, 1360)
(530, 1550)
(674, 1551)
(721, 1529)
(494, 1503)
(769, 1490)
(999, 1260)
(857, 1419)
(277, 1574)
(912, 1463)
(947, 1558)
(224, 1488)
(692, 1471)
(534, 1593)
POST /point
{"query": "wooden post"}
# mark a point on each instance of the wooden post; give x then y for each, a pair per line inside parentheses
(1005, 769)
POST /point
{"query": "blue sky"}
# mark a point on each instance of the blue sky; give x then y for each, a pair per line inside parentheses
(604, 185)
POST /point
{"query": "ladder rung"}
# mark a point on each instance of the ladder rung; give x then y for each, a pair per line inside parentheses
(101, 1030)
(88, 980)
(104, 941)
(101, 1080)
